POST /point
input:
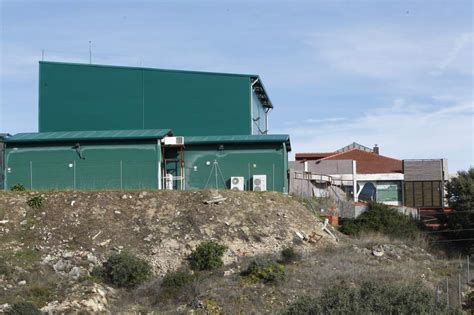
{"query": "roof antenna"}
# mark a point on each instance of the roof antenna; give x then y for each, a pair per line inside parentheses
(42, 54)
(90, 52)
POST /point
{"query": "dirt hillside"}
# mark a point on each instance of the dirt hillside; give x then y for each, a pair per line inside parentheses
(74, 231)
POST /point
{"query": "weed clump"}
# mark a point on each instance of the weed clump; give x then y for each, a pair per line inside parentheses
(470, 301)
(23, 308)
(264, 270)
(174, 281)
(35, 202)
(4, 267)
(123, 270)
(17, 187)
(382, 219)
(369, 298)
(289, 255)
(207, 256)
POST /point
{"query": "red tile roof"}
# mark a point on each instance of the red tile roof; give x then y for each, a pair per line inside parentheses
(313, 156)
(368, 162)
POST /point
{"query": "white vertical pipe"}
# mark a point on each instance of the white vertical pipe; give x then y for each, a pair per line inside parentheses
(354, 181)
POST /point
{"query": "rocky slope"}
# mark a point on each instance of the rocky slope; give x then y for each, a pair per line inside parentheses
(48, 251)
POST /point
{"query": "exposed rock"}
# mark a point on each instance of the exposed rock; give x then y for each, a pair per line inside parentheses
(62, 265)
(92, 259)
(77, 272)
(377, 253)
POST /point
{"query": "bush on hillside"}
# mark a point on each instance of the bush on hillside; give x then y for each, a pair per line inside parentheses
(289, 255)
(207, 256)
(369, 298)
(177, 279)
(382, 219)
(264, 270)
(175, 282)
(35, 202)
(470, 302)
(124, 270)
(17, 187)
(23, 308)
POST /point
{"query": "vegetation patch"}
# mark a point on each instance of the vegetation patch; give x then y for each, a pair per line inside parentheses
(4, 267)
(23, 308)
(370, 298)
(382, 219)
(289, 255)
(470, 302)
(207, 256)
(175, 282)
(264, 270)
(123, 270)
(35, 202)
(17, 187)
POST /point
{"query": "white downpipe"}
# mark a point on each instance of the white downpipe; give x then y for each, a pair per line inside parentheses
(354, 181)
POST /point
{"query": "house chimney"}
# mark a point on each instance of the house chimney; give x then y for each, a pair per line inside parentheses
(376, 149)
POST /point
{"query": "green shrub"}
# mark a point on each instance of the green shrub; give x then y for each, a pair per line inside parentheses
(289, 255)
(4, 268)
(304, 305)
(470, 302)
(264, 270)
(98, 273)
(23, 308)
(370, 298)
(207, 256)
(382, 219)
(175, 282)
(17, 187)
(35, 202)
(123, 270)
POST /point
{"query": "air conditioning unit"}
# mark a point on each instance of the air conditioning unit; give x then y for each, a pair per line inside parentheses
(237, 183)
(259, 182)
(173, 140)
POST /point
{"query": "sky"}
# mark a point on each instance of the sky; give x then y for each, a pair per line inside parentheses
(399, 74)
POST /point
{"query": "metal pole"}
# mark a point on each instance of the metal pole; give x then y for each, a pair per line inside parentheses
(447, 292)
(74, 176)
(273, 176)
(249, 185)
(468, 275)
(215, 165)
(42, 54)
(90, 52)
(121, 176)
(31, 175)
(459, 290)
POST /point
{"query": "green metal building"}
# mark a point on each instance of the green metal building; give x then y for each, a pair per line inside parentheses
(75, 97)
(106, 127)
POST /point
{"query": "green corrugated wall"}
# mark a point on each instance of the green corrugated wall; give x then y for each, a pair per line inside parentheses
(135, 165)
(102, 166)
(91, 97)
(236, 160)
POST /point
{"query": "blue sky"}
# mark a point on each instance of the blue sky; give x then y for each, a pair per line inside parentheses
(395, 73)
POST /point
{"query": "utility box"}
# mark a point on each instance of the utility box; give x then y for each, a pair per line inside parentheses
(259, 183)
(237, 183)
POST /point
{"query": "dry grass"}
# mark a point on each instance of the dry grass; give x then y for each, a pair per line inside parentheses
(316, 271)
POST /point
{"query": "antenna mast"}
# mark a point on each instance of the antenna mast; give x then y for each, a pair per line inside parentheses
(90, 52)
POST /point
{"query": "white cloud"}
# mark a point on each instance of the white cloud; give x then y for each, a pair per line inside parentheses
(387, 53)
(462, 42)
